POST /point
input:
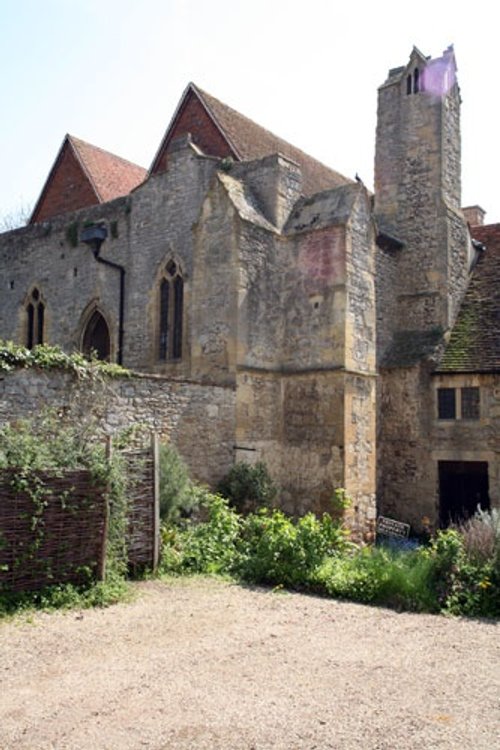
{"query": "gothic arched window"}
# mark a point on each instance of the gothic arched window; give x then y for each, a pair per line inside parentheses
(96, 339)
(35, 313)
(171, 312)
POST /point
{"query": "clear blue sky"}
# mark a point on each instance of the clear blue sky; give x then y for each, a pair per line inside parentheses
(112, 71)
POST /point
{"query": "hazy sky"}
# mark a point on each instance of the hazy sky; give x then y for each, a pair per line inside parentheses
(112, 71)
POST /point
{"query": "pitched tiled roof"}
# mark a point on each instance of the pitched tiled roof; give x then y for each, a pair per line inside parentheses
(474, 345)
(110, 175)
(83, 175)
(409, 347)
(248, 141)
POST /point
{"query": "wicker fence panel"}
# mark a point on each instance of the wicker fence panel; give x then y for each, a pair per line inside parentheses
(61, 541)
(143, 515)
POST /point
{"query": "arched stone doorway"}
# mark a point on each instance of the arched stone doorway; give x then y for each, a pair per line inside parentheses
(96, 337)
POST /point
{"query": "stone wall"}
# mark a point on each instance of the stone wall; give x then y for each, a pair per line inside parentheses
(197, 419)
(412, 440)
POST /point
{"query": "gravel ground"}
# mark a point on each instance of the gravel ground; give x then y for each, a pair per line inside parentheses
(206, 664)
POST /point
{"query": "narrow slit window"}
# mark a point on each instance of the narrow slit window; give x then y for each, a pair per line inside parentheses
(416, 81)
(164, 295)
(408, 84)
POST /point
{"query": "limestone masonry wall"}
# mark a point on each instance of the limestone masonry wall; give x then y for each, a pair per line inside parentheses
(197, 419)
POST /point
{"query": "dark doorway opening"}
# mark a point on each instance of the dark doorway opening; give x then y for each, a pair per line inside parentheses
(463, 485)
(96, 338)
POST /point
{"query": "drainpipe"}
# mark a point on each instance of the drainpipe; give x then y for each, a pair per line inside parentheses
(93, 236)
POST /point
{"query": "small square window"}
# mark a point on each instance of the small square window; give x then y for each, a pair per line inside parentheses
(470, 403)
(446, 403)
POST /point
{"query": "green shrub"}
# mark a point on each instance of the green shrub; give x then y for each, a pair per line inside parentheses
(315, 554)
(67, 596)
(383, 576)
(248, 487)
(207, 547)
(178, 498)
(278, 550)
(465, 582)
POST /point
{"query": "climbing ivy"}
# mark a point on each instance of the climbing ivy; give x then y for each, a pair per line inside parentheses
(33, 451)
(43, 356)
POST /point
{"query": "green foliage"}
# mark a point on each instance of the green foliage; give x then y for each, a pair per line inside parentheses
(72, 234)
(37, 449)
(465, 583)
(43, 356)
(207, 547)
(315, 554)
(248, 486)
(178, 498)
(67, 596)
(279, 550)
(380, 575)
(266, 547)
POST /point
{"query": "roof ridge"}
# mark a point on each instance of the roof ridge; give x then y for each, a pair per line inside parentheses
(104, 151)
(73, 141)
(201, 95)
(204, 93)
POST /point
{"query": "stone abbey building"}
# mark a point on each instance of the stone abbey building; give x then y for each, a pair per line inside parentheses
(346, 339)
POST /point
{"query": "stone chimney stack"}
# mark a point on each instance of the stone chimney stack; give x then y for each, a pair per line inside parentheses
(474, 215)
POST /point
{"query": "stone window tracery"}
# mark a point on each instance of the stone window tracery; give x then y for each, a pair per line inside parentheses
(171, 312)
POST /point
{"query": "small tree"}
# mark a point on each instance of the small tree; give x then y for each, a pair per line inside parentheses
(18, 217)
(177, 495)
(248, 487)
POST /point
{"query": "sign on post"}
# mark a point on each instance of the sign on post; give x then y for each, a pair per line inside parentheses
(391, 527)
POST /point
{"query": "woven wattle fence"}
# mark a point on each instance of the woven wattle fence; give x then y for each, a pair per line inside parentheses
(58, 538)
(143, 516)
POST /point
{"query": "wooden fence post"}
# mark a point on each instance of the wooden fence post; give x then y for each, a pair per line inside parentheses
(155, 451)
(101, 568)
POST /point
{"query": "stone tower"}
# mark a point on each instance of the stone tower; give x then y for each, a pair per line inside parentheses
(417, 196)
(422, 271)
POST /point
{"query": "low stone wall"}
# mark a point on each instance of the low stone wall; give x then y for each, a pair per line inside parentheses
(198, 419)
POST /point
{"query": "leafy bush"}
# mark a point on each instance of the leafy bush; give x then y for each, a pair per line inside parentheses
(481, 535)
(248, 486)
(178, 498)
(465, 583)
(381, 575)
(315, 554)
(43, 356)
(207, 547)
(67, 596)
(276, 549)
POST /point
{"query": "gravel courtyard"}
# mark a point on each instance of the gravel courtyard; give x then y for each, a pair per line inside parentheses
(205, 664)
